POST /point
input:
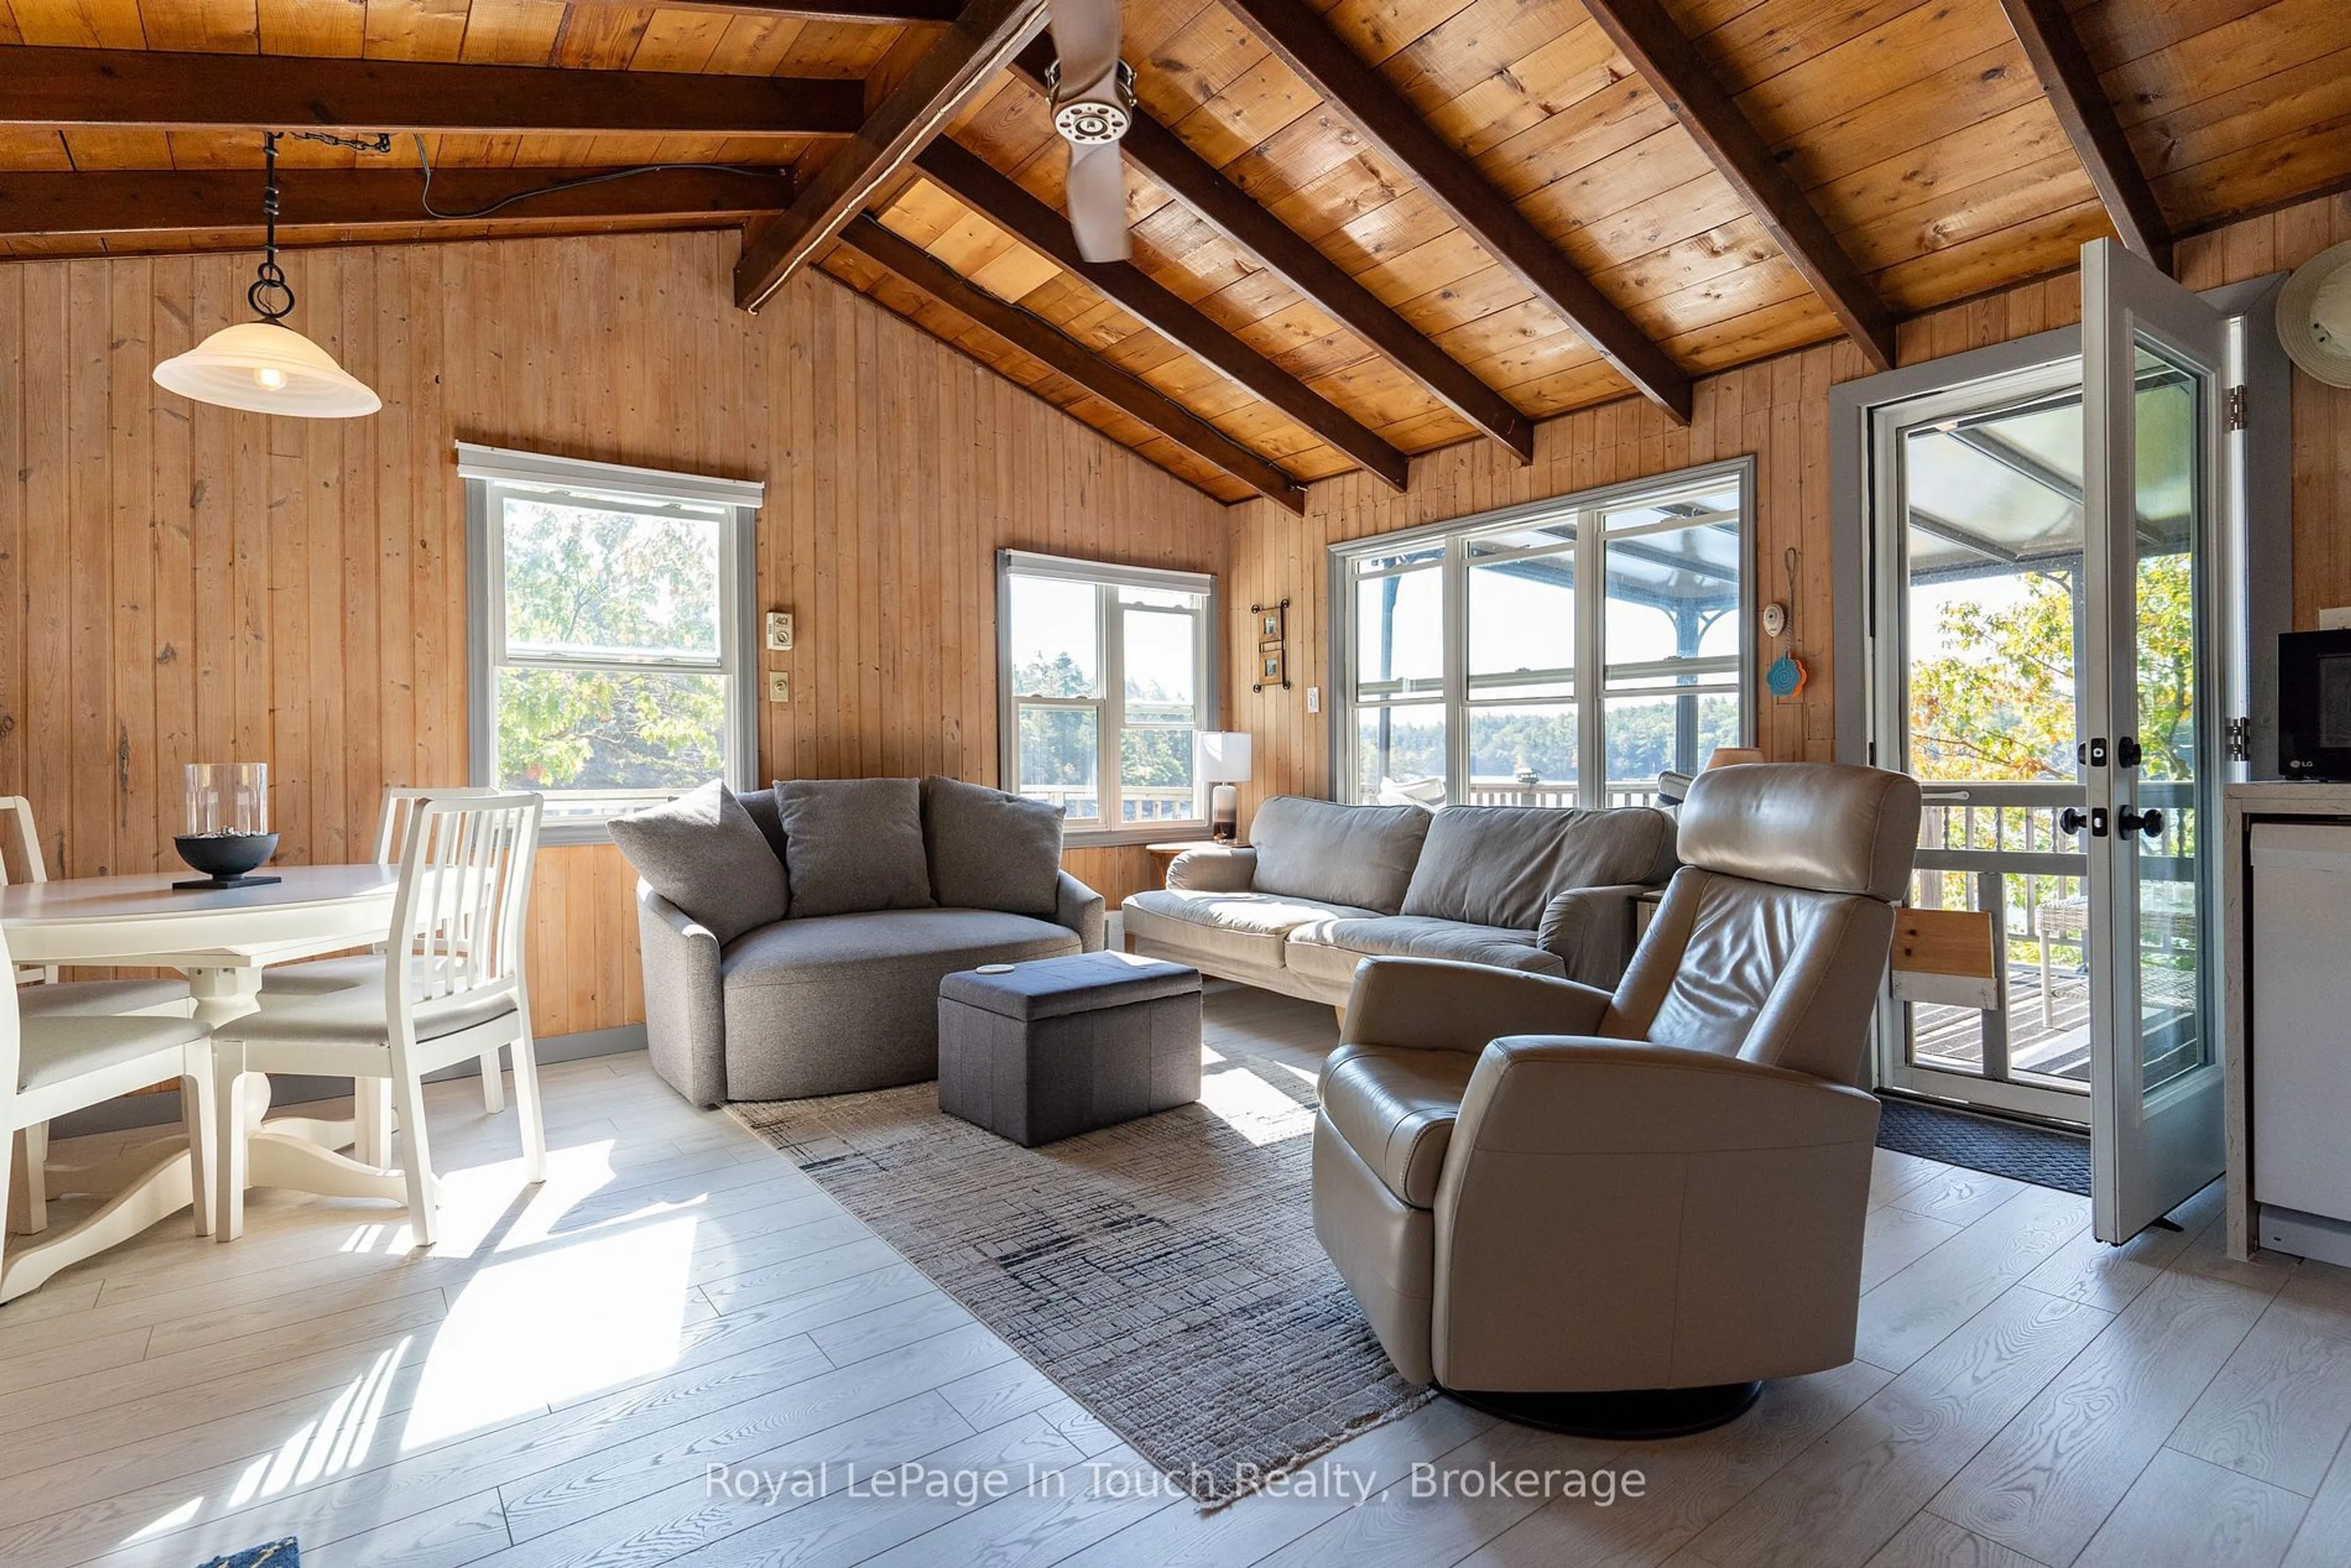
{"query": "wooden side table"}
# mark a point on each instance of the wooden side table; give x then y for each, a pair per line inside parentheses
(1164, 855)
(1645, 909)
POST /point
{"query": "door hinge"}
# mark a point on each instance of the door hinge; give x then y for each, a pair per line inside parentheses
(2240, 739)
(2233, 407)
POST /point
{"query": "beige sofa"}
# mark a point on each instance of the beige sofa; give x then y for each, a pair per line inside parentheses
(1324, 886)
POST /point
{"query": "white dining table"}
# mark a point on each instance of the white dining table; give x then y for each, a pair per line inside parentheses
(222, 939)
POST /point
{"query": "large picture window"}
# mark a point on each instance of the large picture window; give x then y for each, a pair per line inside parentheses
(1107, 673)
(609, 632)
(1562, 653)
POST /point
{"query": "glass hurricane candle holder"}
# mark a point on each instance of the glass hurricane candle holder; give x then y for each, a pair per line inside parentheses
(227, 827)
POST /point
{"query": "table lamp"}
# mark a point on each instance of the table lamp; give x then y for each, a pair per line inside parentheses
(1222, 757)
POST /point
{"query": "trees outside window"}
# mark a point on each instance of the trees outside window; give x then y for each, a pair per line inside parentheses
(1998, 702)
(1108, 674)
(609, 632)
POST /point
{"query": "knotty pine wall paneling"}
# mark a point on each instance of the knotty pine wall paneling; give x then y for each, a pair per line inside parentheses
(184, 584)
(1778, 410)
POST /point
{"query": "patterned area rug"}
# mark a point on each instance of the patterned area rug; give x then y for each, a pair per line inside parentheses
(1163, 1272)
(274, 1554)
(2014, 1149)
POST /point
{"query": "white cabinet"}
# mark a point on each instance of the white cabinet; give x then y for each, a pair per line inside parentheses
(2300, 1014)
(2287, 1049)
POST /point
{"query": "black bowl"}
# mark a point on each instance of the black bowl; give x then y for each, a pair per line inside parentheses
(225, 857)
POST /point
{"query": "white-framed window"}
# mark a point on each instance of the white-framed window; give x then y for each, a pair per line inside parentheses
(1105, 673)
(609, 632)
(1559, 653)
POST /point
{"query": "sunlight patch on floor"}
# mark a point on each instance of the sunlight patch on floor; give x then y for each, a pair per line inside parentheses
(183, 1514)
(339, 1440)
(546, 1327)
(1250, 1105)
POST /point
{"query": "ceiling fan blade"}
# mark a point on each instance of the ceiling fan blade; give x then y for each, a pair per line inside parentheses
(1085, 39)
(1097, 201)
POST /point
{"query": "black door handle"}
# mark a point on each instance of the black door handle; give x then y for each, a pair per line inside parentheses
(2073, 820)
(2130, 820)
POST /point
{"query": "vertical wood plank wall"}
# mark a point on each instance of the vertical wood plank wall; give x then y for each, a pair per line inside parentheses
(1778, 410)
(182, 583)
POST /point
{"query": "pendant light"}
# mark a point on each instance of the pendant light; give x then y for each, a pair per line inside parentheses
(265, 366)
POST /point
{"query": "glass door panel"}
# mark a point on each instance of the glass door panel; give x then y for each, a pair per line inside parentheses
(1981, 579)
(2154, 359)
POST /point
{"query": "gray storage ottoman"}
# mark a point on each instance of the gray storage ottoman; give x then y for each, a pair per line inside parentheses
(1056, 1047)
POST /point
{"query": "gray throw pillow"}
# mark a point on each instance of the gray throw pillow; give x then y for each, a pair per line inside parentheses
(989, 849)
(703, 853)
(853, 844)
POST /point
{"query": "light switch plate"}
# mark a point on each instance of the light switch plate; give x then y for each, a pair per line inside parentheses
(1314, 699)
(780, 686)
(780, 631)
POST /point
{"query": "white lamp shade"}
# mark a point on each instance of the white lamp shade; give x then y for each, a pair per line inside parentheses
(264, 368)
(1223, 755)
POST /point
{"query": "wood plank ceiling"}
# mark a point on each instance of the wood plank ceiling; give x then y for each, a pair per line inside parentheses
(1854, 162)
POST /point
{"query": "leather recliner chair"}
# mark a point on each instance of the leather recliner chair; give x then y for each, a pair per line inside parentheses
(1620, 1214)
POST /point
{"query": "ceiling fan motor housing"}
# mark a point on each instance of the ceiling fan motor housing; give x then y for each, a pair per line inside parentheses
(1097, 113)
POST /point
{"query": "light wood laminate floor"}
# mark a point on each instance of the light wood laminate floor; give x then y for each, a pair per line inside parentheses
(554, 1382)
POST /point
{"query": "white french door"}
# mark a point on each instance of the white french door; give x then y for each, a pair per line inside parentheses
(2155, 378)
(1979, 615)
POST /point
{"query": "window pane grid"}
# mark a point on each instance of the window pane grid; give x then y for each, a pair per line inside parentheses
(1110, 680)
(1562, 658)
(610, 656)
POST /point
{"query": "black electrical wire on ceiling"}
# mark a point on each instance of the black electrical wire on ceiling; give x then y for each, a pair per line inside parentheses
(424, 158)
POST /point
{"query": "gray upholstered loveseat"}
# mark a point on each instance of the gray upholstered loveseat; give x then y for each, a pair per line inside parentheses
(815, 966)
(1325, 885)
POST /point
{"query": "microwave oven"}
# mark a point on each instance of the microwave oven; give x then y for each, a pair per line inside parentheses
(2315, 705)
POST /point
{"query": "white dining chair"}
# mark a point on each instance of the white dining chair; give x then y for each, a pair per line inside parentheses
(50, 1064)
(449, 988)
(319, 976)
(40, 994)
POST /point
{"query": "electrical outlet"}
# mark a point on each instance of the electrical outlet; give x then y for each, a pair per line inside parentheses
(1314, 699)
(780, 631)
(780, 686)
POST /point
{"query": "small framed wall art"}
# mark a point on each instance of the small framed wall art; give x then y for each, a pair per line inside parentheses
(1272, 645)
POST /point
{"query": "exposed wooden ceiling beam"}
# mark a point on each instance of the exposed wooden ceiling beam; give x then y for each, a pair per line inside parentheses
(873, 13)
(223, 201)
(1663, 54)
(982, 41)
(2070, 81)
(1002, 201)
(132, 87)
(1040, 339)
(1384, 116)
(1233, 213)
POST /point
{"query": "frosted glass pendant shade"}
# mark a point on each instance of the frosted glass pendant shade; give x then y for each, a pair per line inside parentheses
(264, 368)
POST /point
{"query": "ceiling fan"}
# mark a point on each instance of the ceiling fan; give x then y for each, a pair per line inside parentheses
(1092, 94)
